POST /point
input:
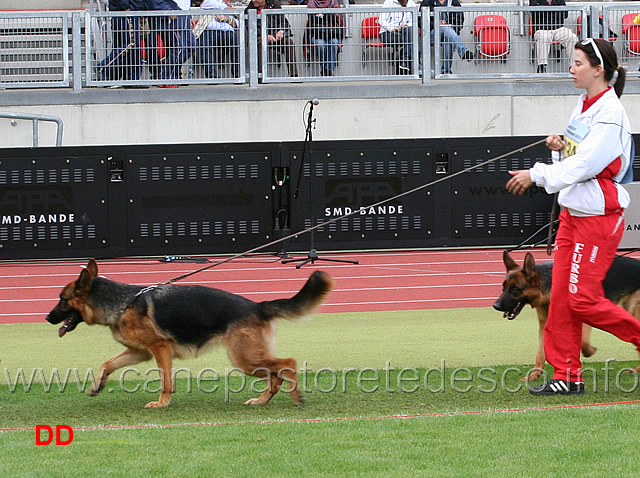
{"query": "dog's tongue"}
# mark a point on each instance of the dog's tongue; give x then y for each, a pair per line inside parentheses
(63, 330)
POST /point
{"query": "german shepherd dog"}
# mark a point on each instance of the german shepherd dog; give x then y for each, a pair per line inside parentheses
(169, 321)
(531, 284)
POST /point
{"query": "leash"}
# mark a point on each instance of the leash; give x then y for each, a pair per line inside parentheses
(552, 219)
(330, 221)
(353, 213)
(537, 243)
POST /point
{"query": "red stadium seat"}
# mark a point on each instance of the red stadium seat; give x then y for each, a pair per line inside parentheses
(631, 34)
(370, 36)
(493, 37)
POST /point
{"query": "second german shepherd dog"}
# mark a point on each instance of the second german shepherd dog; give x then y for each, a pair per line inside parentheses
(531, 284)
(169, 321)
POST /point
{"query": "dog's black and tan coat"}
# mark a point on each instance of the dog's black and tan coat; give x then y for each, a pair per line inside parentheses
(531, 284)
(180, 321)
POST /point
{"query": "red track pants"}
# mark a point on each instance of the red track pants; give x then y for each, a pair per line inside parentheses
(585, 248)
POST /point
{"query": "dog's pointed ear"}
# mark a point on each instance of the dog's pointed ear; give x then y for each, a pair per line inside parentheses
(529, 264)
(92, 268)
(509, 263)
(84, 282)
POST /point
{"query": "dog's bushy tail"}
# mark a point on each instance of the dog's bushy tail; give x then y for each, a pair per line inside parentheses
(303, 303)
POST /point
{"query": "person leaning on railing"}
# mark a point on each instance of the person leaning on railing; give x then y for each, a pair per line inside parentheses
(279, 35)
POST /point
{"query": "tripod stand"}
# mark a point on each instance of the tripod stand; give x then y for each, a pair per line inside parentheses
(312, 255)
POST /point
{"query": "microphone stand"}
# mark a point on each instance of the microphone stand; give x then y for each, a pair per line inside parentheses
(312, 255)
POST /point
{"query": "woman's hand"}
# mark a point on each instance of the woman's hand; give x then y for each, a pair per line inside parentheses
(554, 142)
(520, 181)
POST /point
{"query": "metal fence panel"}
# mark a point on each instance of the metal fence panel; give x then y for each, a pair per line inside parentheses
(34, 50)
(510, 42)
(617, 25)
(39, 49)
(353, 48)
(165, 48)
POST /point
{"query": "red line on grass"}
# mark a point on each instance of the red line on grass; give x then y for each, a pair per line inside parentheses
(337, 419)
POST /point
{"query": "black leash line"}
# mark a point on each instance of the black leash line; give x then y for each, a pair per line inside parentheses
(330, 221)
(353, 213)
(552, 218)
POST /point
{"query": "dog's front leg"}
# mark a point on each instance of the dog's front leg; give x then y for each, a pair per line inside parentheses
(128, 356)
(540, 358)
(163, 353)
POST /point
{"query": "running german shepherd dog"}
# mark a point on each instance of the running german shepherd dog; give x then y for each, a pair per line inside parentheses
(531, 284)
(169, 321)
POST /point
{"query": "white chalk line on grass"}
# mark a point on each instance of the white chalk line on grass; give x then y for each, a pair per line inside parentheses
(335, 419)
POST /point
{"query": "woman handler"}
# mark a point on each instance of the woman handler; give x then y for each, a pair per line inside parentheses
(588, 166)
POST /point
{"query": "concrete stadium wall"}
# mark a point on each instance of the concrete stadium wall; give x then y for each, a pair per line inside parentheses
(238, 113)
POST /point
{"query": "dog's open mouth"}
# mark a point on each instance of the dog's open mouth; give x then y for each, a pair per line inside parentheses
(513, 313)
(69, 325)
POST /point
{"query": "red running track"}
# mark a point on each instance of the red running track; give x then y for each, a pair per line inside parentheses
(406, 280)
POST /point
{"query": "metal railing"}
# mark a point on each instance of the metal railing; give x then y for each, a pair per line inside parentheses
(34, 49)
(101, 49)
(35, 120)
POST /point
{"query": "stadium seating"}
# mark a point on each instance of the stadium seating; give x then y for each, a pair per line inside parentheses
(631, 34)
(492, 37)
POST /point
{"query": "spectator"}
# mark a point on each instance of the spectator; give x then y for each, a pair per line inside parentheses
(450, 27)
(396, 31)
(219, 39)
(548, 27)
(325, 32)
(278, 33)
(185, 38)
(125, 60)
(163, 28)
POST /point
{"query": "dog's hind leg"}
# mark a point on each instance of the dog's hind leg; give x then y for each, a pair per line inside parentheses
(276, 371)
(587, 349)
(251, 350)
(128, 356)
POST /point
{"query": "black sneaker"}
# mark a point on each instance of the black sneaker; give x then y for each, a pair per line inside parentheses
(468, 55)
(558, 387)
(541, 69)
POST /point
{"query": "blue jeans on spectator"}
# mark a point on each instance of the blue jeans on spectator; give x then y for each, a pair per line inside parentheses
(327, 53)
(216, 45)
(449, 40)
(401, 41)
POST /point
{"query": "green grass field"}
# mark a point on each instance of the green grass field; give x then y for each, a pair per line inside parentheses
(388, 394)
